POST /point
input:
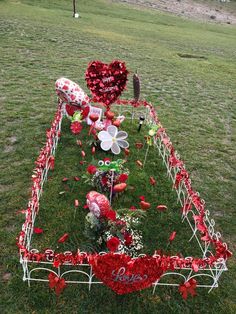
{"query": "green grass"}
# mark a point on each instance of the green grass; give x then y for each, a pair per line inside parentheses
(195, 100)
(156, 227)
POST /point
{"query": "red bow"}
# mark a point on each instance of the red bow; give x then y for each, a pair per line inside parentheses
(56, 283)
(188, 287)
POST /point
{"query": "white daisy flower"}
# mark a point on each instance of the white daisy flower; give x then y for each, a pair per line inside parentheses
(113, 139)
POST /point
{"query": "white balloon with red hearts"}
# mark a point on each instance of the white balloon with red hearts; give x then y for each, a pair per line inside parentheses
(98, 204)
(71, 93)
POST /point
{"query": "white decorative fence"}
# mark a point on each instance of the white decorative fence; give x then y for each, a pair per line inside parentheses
(37, 265)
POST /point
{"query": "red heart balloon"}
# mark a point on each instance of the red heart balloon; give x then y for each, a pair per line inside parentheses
(124, 274)
(106, 81)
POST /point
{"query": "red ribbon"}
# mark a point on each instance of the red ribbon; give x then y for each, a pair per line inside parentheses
(188, 287)
(56, 283)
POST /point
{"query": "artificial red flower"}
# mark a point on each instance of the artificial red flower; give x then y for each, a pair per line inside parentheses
(91, 169)
(172, 236)
(63, 238)
(110, 215)
(104, 180)
(76, 127)
(56, 263)
(38, 230)
(133, 208)
(65, 179)
(83, 153)
(120, 222)
(56, 283)
(128, 239)
(113, 244)
(123, 178)
(188, 287)
(142, 198)
(76, 178)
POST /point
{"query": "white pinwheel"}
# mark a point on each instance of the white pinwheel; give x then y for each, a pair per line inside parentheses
(113, 139)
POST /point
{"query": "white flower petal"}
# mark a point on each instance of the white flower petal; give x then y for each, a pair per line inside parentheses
(122, 143)
(104, 136)
(106, 145)
(115, 148)
(121, 135)
(112, 130)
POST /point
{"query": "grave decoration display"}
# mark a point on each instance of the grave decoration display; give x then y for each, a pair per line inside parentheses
(116, 256)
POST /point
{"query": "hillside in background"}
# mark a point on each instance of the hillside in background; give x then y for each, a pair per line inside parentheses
(207, 10)
(188, 72)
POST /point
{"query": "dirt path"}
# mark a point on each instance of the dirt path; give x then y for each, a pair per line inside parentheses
(190, 9)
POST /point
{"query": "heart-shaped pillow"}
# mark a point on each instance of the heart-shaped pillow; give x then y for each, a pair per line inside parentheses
(106, 81)
(124, 274)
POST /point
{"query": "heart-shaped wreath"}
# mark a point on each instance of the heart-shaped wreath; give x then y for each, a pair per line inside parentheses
(124, 274)
(106, 81)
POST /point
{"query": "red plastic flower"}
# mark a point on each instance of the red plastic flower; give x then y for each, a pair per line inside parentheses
(123, 178)
(91, 169)
(133, 207)
(113, 243)
(110, 215)
(104, 180)
(128, 239)
(142, 198)
(76, 127)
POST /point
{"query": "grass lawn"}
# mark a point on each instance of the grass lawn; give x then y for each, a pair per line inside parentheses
(188, 71)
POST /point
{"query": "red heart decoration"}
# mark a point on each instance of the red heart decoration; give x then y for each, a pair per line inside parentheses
(124, 274)
(106, 81)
